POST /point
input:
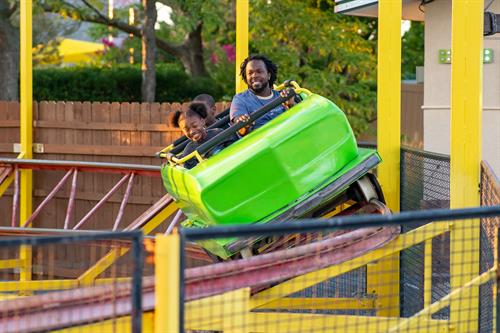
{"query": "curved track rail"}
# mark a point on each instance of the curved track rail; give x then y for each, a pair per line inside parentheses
(57, 310)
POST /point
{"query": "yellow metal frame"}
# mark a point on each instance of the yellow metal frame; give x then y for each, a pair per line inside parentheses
(242, 9)
(47, 285)
(6, 183)
(10, 263)
(167, 278)
(90, 276)
(26, 176)
(299, 283)
(105, 262)
(121, 324)
(212, 314)
(466, 111)
(383, 277)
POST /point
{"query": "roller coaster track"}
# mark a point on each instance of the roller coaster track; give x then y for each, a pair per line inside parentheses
(78, 307)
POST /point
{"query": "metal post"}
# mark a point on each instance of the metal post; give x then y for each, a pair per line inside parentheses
(241, 40)
(466, 109)
(138, 255)
(26, 128)
(167, 276)
(383, 277)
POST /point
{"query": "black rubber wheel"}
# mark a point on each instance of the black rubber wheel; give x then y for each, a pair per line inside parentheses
(377, 187)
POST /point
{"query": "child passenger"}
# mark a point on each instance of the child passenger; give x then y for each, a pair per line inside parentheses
(192, 123)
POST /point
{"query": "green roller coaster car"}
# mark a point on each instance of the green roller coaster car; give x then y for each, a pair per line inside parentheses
(301, 161)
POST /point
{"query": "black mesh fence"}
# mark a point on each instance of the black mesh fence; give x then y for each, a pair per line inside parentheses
(425, 180)
(490, 196)
(79, 280)
(425, 184)
(339, 275)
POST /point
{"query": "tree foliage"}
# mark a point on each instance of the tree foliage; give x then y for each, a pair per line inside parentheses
(413, 50)
(333, 55)
(9, 50)
(188, 48)
(117, 84)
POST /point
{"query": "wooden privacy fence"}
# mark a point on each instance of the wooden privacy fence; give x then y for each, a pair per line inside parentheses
(96, 132)
(102, 129)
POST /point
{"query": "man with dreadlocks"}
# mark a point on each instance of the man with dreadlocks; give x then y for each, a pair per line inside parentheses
(259, 73)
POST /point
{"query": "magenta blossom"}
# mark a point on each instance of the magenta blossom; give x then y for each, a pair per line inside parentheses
(230, 52)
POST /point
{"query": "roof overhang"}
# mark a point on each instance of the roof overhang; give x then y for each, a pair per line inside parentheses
(369, 8)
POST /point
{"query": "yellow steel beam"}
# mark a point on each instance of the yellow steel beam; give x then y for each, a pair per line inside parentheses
(212, 320)
(204, 314)
(389, 98)
(211, 313)
(26, 80)
(382, 280)
(121, 324)
(10, 263)
(365, 303)
(428, 273)
(299, 283)
(461, 294)
(388, 145)
(6, 183)
(105, 262)
(167, 282)
(7, 296)
(242, 8)
(45, 285)
(159, 218)
(236, 307)
(8, 286)
(26, 128)
(297, 322)
(495, 287)
(466, 112)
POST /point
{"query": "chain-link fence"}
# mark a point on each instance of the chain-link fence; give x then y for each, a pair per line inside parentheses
(312, 281)
(425, 183)
(80, 280)
(490, 196)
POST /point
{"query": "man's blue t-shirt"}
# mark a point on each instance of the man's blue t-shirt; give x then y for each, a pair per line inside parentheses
(247, 102)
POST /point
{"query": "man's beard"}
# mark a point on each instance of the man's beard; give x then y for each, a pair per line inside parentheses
(261, 88)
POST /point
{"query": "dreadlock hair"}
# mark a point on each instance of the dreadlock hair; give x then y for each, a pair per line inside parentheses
(270, 66)
(196, 109)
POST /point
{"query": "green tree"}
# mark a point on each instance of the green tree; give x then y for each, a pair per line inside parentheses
(413, 50)
(333, 55)
(9, 50)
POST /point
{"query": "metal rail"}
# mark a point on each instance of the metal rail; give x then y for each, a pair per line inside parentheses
(147, 222)
(12, 166)
(343, 222)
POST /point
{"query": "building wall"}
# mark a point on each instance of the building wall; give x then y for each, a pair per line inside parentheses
(437, 88)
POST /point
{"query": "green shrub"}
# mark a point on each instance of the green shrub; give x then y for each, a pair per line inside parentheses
(117, 84)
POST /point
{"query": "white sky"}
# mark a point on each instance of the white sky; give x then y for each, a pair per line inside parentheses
(164, 13)
(405, 26)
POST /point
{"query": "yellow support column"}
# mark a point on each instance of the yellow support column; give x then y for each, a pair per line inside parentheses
(383, 277)
(26, 129)
(236, 311)
(167, 283)
(466, 109)
(241, 40)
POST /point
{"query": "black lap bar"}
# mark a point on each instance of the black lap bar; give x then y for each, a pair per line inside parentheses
(227, 133)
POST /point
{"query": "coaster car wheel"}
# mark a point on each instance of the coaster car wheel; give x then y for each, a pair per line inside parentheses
(366, 188)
